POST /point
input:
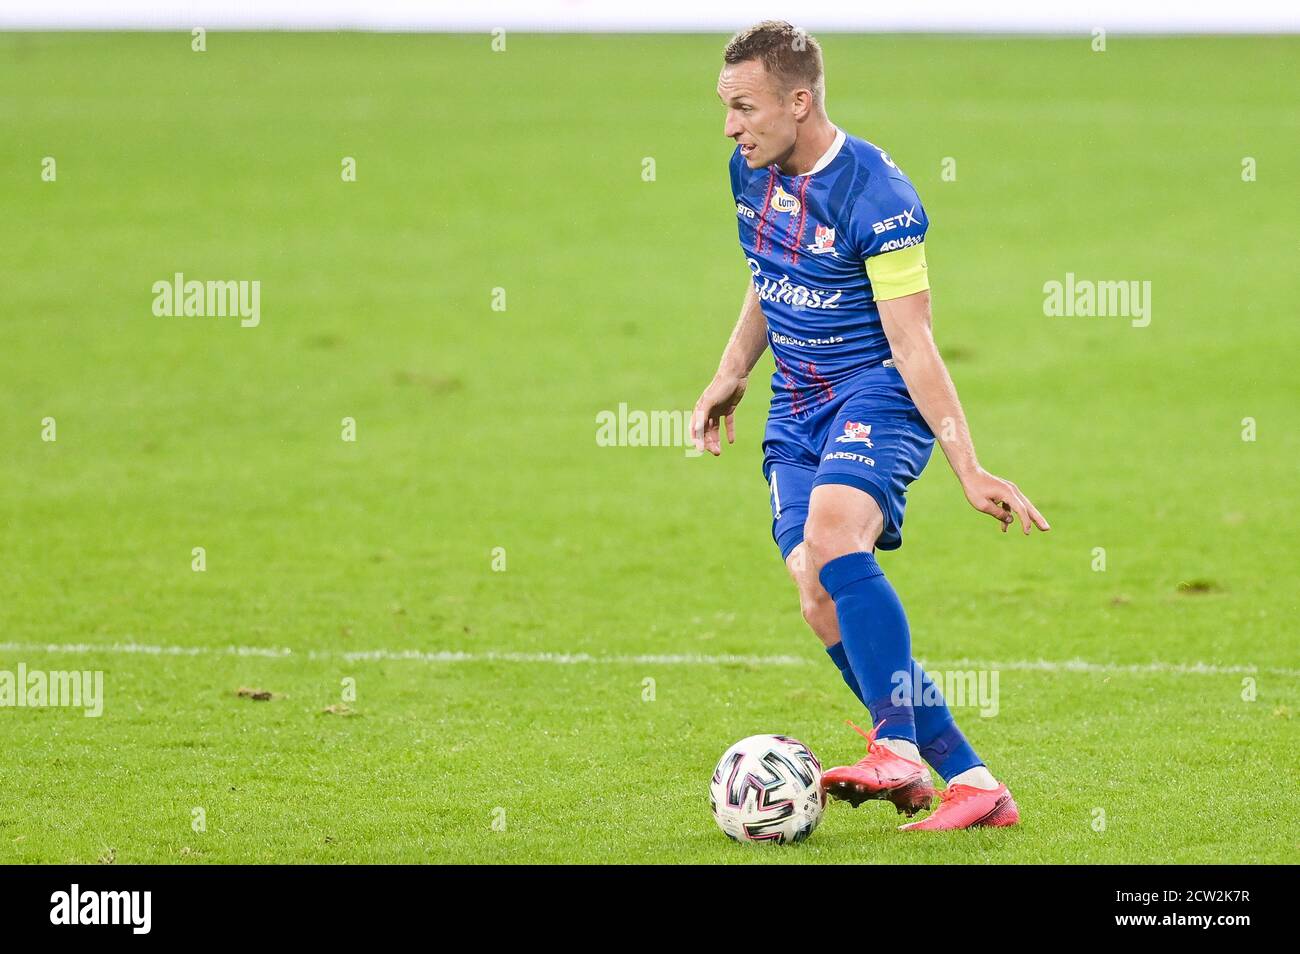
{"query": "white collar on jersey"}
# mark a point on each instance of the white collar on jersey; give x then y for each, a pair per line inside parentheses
(829, 155)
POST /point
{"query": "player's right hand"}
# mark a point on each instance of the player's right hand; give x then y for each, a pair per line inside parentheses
(716, 404)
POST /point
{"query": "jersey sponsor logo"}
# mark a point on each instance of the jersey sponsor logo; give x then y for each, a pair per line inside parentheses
(899, 221)
(778, 338)
(782, 291)
(847, 455)
(783, 201)
(855, 433)
(823, 242)
(895, 244)
(785, 292)
(745, 211)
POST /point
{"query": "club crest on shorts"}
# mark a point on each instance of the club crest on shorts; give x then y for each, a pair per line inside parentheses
(855, 433)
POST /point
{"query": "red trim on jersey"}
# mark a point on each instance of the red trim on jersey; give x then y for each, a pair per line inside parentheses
(796, 396)
(827, 391)
(803, 219)
(762, 216)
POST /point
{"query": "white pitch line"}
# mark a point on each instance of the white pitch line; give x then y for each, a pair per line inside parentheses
(1082, 665)
(142, 649)
(649, 659)
(406, 655)
(563, 659)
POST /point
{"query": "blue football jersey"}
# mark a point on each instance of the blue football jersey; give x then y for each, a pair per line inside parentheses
(823, 248)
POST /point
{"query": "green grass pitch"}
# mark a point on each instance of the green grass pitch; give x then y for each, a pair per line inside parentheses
(475, 430)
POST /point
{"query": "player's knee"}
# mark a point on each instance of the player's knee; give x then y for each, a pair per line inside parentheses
(840, 521)
(828, 537)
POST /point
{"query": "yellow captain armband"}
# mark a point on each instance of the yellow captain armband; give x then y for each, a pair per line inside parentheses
(896, 274)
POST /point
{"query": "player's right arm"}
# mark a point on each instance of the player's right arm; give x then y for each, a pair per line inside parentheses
(718, 402)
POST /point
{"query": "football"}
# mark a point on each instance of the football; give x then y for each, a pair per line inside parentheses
(767, 788)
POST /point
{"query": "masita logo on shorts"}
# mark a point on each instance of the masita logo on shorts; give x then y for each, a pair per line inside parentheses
(849, 455)
(855, 433)
(103, 907)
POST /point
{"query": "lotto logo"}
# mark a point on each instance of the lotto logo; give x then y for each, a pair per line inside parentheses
(783, 201)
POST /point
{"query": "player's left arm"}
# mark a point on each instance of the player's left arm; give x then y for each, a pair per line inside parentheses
(907, 323)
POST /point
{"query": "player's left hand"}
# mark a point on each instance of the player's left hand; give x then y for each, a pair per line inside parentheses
(1002, 499)
(716, 405)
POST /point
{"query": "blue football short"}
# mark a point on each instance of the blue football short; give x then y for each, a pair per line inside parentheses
(871, 437)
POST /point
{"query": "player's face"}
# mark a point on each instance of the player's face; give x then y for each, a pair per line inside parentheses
(759, 119)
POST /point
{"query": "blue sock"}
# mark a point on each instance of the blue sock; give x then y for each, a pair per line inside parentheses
(937, 736)
(841, 660)
(940, 741)
(941, 744)
(874, 634)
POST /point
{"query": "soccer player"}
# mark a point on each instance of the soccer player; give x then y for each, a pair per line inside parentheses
(834, 236)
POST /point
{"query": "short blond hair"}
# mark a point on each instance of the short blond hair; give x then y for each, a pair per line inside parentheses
(790, 55)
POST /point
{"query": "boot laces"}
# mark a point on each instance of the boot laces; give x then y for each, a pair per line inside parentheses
(869, 736)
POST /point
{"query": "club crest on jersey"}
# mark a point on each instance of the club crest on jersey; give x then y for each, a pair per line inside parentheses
(823, 241)
(855, 433)
(783, 201)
